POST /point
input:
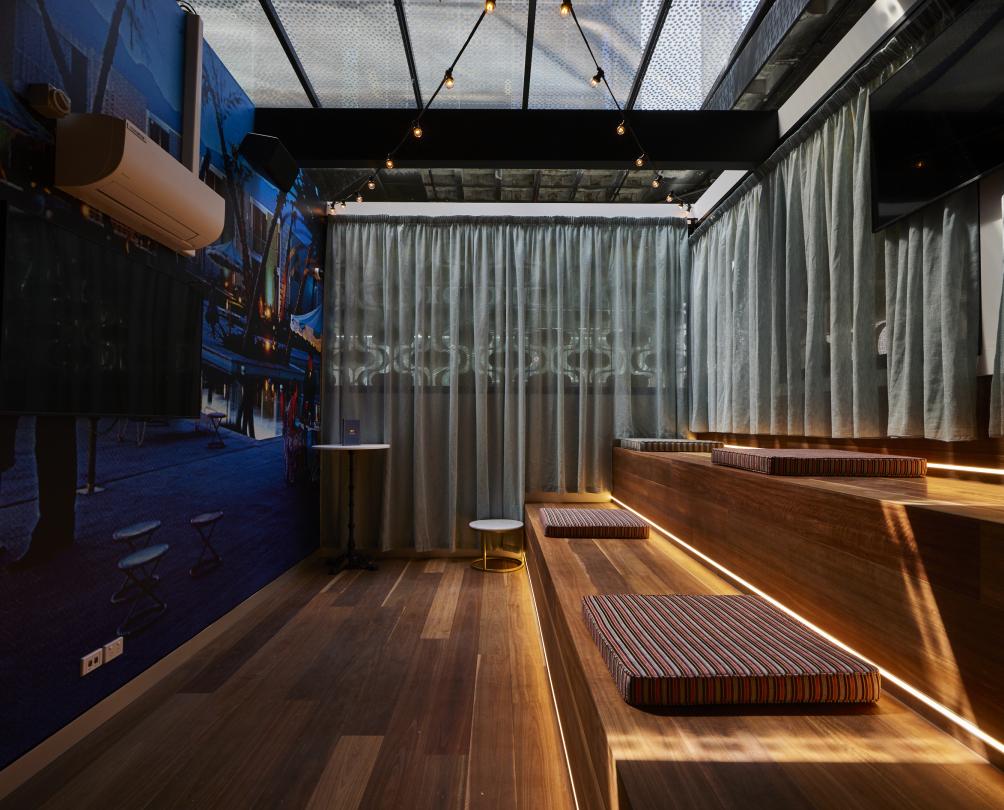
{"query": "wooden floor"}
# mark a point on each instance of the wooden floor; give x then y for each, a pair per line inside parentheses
(874, 756)
(419, 686)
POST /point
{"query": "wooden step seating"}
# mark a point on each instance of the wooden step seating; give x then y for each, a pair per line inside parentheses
(866, 755)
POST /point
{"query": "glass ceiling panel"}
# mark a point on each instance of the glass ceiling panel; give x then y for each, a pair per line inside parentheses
(490, 73)
(695, 45)
(239, 33)
(351, 50)
(617, 30)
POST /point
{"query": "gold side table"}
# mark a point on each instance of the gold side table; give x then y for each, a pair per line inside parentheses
(497, 527)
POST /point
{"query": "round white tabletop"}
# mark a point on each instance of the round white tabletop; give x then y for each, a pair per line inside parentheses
(496, 525)
(351, 447)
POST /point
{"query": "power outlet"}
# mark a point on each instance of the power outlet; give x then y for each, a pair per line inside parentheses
(114, 648)
(92, 661)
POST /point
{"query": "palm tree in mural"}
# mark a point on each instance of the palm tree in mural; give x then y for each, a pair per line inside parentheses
(131, 10)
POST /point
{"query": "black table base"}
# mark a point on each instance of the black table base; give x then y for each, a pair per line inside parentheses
(352, 559)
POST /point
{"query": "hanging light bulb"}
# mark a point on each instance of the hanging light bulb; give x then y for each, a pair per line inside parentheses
(489, 6)
(359, 197)
(371, 183)
(621, 128)
(657, 181)
(640, 160)
(389, 162)
(597, 78)
(448, 80)
(416, 130)
(669, 197)
(566, 8)
(344, 204)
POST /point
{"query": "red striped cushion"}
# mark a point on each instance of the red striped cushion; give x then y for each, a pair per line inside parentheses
(697, 650)
(593, 523)
(670, 445)
(820, 462)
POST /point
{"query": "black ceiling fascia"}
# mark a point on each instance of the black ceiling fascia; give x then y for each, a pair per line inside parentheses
(291, 55)
(653, 40)
(520, 139)
(409, 54)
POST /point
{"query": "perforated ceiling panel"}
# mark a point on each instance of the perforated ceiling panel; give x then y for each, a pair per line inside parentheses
(490, 73)
(351, 51)
(617, 30)
(694, 47)
(239, 33)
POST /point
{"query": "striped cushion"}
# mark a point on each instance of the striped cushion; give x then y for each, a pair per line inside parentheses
(593, 523)
(697, 650)
(670, 445)
(820, 462)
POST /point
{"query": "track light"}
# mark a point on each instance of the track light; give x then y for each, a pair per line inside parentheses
(448, 80)
(621, 128)
(389, 162)
(371, 183)
(597, 78)
(359, 197)
(657, 181)
(640, 160)
(566, 8)
(416, 130)
(489, 6)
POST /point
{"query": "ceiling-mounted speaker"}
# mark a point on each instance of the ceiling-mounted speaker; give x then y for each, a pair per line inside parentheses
(270, 159)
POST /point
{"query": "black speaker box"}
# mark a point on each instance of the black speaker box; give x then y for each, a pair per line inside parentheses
(270, 159)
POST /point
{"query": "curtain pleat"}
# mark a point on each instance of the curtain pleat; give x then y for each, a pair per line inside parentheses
(791, 290)
(500, 357)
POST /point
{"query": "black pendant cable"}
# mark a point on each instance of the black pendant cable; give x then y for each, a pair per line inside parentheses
(356, 189)
(624, 126)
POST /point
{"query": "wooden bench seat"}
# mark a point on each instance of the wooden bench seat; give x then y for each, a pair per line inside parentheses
(909, 572)
(872, 755)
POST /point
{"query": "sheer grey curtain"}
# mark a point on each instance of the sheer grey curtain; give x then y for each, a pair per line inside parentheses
(500, 356)
(805, 323)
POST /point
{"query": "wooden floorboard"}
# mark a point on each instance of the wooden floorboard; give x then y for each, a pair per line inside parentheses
(875, 756)
(418, 686)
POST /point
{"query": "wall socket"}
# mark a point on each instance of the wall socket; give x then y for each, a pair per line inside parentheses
(92, 661)
(114, 648)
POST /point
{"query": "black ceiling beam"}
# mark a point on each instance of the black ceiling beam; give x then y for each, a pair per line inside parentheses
(531, 17)
(291, 54)
(653, 40)
(409, 54)
(527, 139)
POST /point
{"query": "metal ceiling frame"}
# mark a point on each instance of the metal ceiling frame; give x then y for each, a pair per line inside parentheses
(287, 46)
(646, 58)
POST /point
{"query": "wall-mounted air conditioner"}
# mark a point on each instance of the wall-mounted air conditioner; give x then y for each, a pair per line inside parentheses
(111, 165)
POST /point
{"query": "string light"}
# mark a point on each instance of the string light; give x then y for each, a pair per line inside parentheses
(416, 130)
(595, 81)
(371, 183)
(389, 162)
(489, 6)
(657, 181)
(448, 79)
(566, 8)
(640, 160)
(359, 197)
(669, 197)
(344, 204)
(621, 128)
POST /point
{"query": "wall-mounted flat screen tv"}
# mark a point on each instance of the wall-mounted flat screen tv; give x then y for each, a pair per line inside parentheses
(938, 123)
(94, 326)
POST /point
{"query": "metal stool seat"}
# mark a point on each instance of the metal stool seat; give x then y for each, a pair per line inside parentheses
(136, 536)
(209, 558)
(499, 527)
(139, 568)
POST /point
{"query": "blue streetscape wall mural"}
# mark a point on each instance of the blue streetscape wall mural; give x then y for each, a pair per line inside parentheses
(61, 592)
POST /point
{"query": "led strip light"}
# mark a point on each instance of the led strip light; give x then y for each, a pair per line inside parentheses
(941, 709)
(963, 468)
(550, 683)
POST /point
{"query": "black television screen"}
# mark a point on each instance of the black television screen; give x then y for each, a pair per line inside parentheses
(938, 123)
(92, 325)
